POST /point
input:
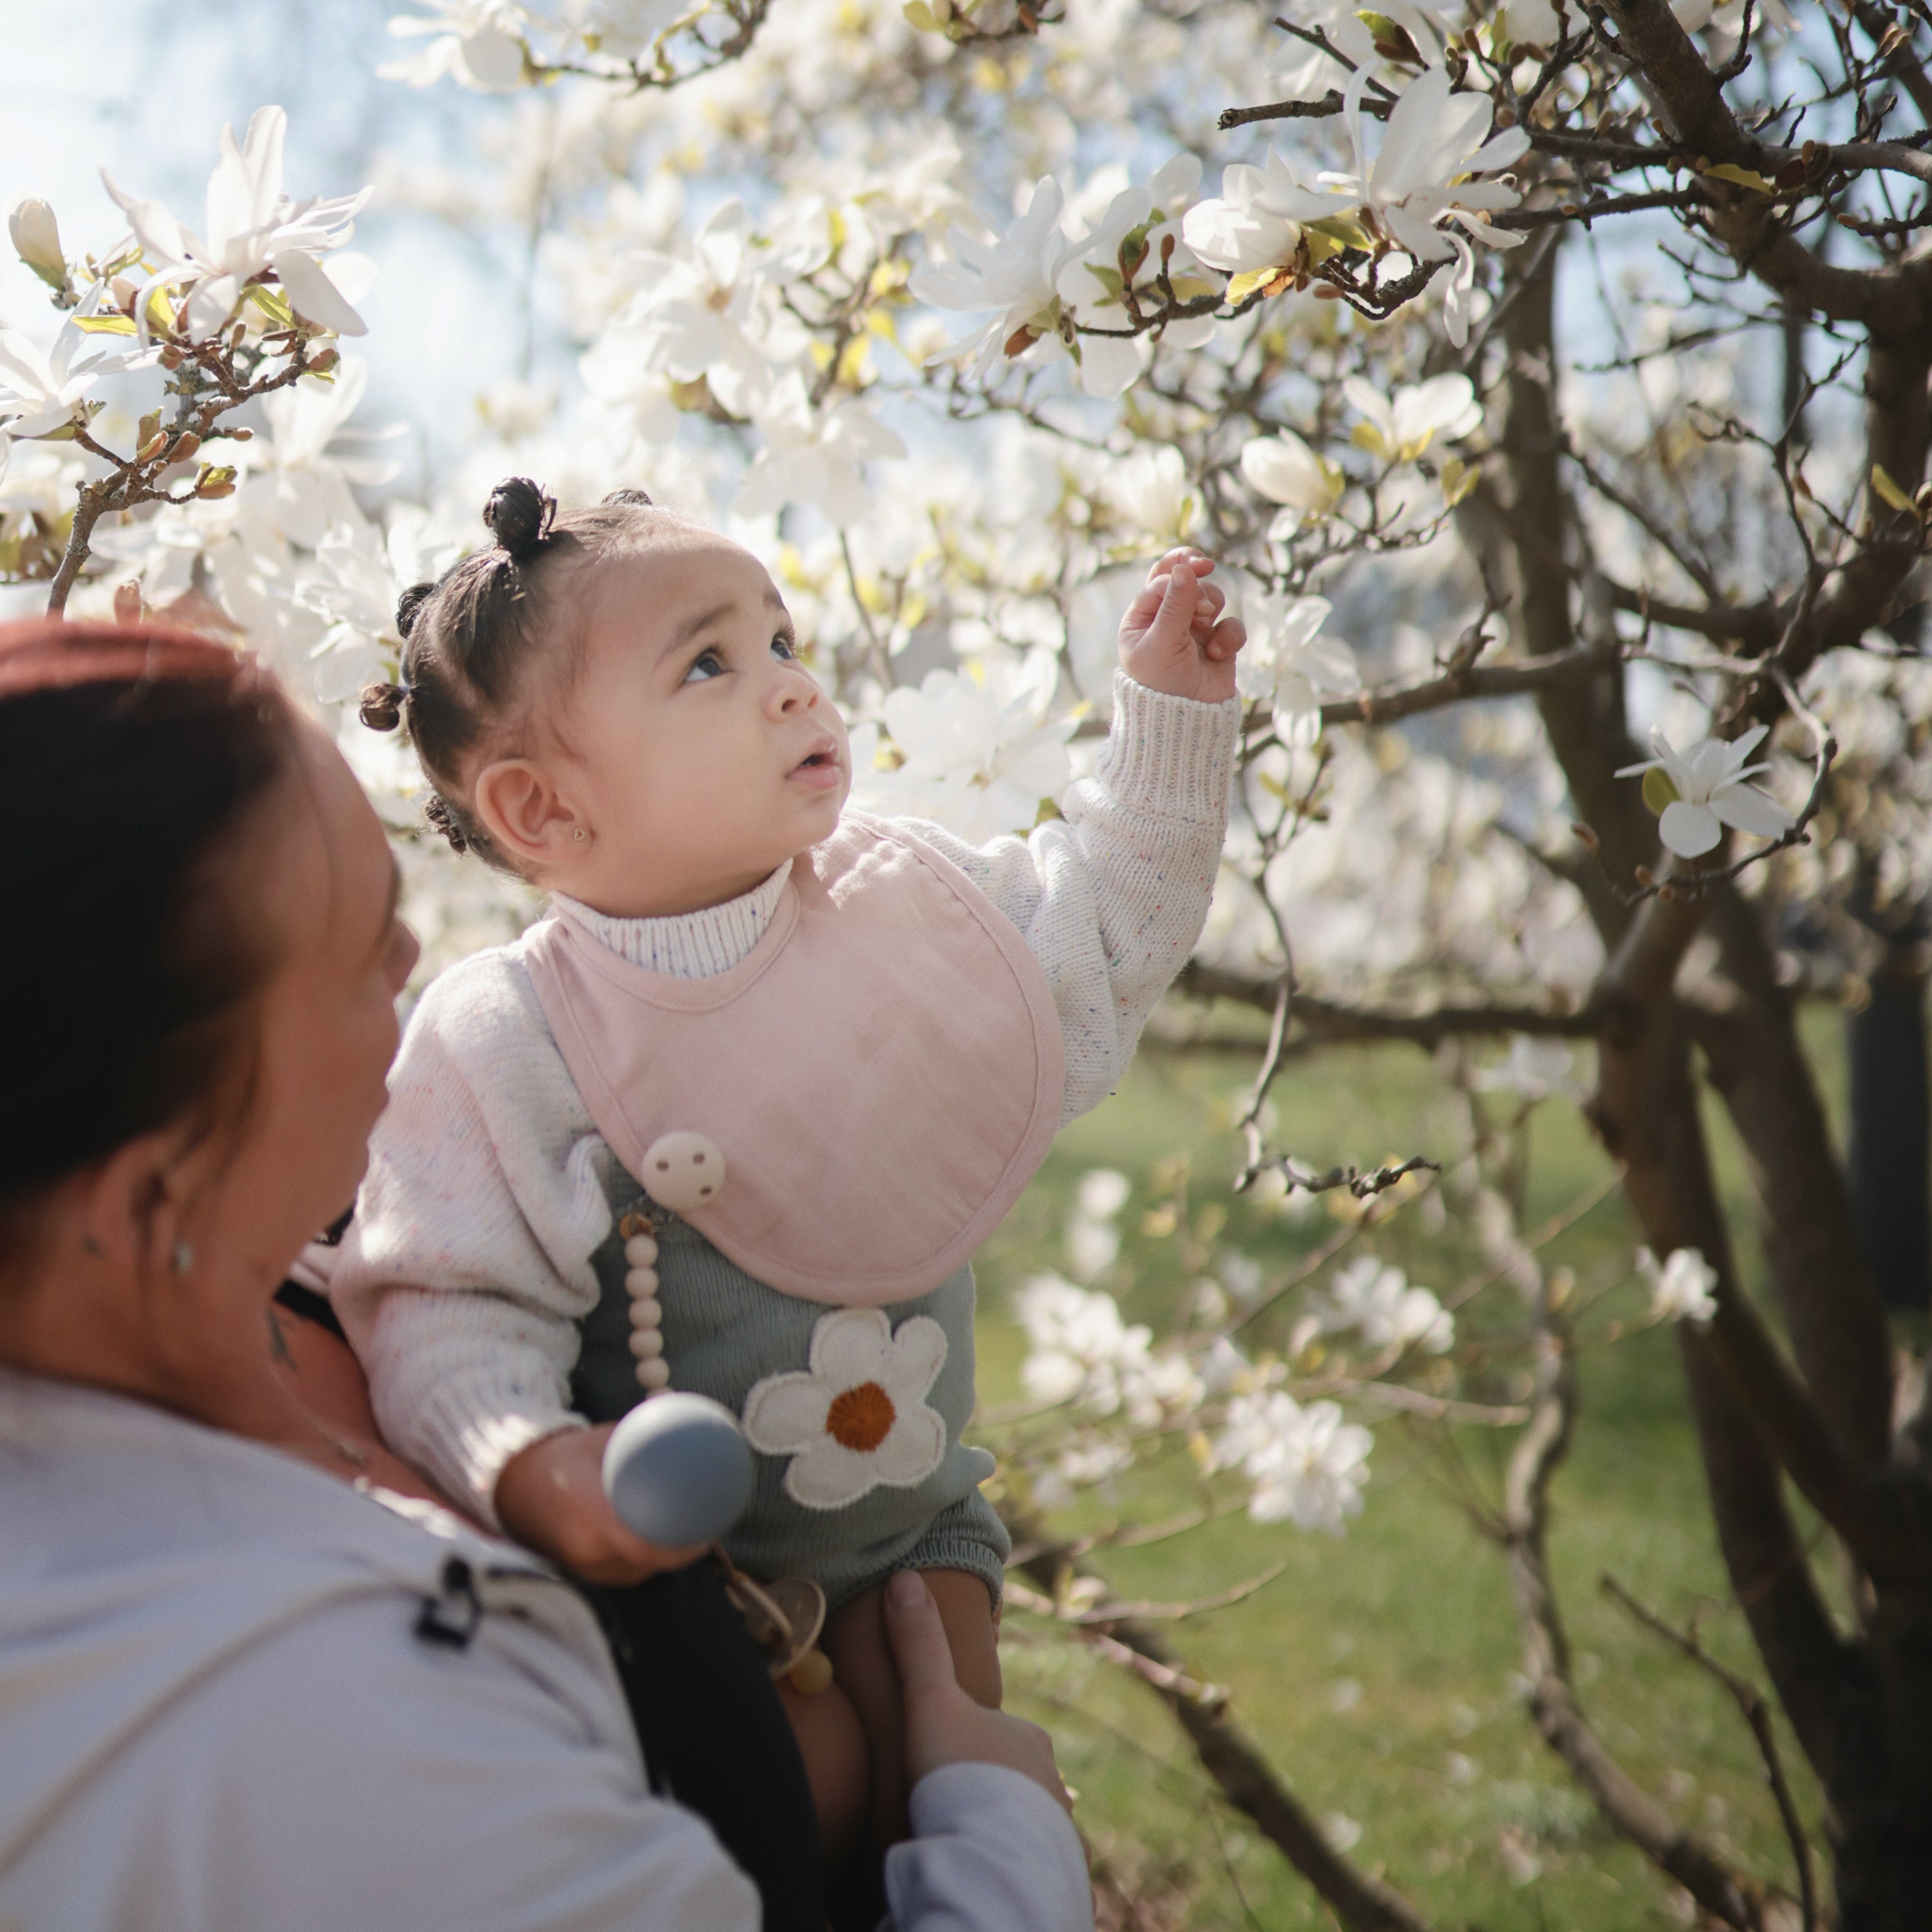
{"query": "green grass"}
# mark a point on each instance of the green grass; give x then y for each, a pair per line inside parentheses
(1377, 1670)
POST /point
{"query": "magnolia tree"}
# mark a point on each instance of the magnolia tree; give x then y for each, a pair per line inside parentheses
(1530, 368)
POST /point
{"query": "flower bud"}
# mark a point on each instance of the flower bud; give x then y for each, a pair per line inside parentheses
(36, 236)
(185, 446)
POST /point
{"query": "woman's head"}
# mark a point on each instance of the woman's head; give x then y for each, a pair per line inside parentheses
(610, 703)
(199, 1020)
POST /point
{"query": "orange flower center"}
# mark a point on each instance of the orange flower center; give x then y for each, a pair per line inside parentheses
(860, 1418)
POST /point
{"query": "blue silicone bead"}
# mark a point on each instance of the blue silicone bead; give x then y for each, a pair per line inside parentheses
(677, 1470)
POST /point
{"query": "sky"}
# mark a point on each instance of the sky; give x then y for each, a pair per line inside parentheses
(143, 88)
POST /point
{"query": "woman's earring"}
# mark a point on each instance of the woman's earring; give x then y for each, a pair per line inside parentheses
(183, 1258)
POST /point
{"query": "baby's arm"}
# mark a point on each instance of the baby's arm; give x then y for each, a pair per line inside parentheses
(1111, 897)
(461, 1278)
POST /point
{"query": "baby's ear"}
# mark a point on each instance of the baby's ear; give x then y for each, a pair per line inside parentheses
(515, 801)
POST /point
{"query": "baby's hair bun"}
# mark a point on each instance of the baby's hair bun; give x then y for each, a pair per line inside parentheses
(627, 499)
(409, 605)
(520, 515)
(444, 820)
(382, 707)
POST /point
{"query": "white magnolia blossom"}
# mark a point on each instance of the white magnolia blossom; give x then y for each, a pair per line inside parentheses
(1536, 1070)
(1308, 1466)
(1399, 427)
(359, 573)
(1153, 490)
(1102, 1192)
(1092, 283)
(1284, 470)
(1010, 281)
(1434, 143)
(477, 43)
(35, 235)
(1092, 1228)
(813, 456)
(303, 476)
(42, 391)
(1682, 1288)
(1709, 780)
(1540, 23)
(980, 753)
(1084, 1354)
(709, 314)
(1288, 664)
(253, 229)
(1306, 73)
(1376, 1302)
(1255, 222)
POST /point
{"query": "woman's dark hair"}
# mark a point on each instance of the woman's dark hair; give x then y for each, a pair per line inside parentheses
(471, 638)
(131, 757)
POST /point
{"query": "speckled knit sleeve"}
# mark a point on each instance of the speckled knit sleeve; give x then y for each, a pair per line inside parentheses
(1111, 897)
(462, 1277)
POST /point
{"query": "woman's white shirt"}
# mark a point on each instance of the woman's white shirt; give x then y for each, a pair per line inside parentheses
(217, 1713)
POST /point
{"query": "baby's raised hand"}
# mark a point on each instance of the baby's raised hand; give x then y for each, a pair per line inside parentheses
(1173, 637)
(551, 1498)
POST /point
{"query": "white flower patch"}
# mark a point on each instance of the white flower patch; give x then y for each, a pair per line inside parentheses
(1705, 788)
(1680, 1286)
(1378, 1304)
(857, 1419)
(1308, 1466)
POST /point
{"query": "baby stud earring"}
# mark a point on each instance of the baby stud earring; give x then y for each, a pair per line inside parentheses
(579, 834)
(183, 1258)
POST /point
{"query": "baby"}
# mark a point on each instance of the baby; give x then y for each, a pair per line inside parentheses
(735, 1116)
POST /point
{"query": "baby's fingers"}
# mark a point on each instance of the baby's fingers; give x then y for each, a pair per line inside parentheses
(1225, 639)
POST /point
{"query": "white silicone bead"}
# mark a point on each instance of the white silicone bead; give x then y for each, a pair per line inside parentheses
(653, 1373)
(647, 1312)
(683, 1171)
(646, 1342)
(640, 1251)
(640, 1281)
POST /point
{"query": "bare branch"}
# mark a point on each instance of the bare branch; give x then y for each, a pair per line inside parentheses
(1756, 1710)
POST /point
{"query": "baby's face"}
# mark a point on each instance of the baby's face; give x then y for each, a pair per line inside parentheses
(696, 749)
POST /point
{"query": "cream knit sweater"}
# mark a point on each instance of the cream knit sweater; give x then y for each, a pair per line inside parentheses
(467, 1264)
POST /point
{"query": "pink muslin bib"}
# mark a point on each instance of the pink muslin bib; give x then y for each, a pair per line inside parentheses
(882, 1074)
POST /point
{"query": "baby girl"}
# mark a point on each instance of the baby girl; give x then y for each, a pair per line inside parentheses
(734, 1117)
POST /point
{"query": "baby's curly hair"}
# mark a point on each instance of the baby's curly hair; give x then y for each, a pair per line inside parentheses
(471, 638)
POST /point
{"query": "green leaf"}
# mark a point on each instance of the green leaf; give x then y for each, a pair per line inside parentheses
(273, 304)
(1244, 285)
(1729, 171)
(1658, 791)
(1884, 486)
(920, 15)
(105, 325)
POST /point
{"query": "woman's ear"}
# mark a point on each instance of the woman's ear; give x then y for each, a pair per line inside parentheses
(129, 1213)
(517, 805)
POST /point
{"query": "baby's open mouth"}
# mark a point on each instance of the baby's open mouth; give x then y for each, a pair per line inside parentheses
(819, 769)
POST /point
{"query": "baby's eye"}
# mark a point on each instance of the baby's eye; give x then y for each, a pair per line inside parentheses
(706, 664)
(783, 645)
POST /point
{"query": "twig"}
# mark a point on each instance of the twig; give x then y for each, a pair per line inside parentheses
(1756, 1710)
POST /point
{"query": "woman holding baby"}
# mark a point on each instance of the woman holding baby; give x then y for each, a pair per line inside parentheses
(255, 1670)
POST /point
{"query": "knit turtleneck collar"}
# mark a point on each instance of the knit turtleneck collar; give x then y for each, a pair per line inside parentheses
(690, 945)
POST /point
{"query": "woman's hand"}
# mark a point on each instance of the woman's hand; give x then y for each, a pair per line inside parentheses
(943, 1724)
(551, 1498)
(1173, 637)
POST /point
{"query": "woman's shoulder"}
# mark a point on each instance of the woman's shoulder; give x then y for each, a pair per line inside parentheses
(180, 1605)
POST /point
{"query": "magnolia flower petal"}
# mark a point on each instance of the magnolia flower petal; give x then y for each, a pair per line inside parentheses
(1747, 809)
(312, 296)
(1689, 830)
